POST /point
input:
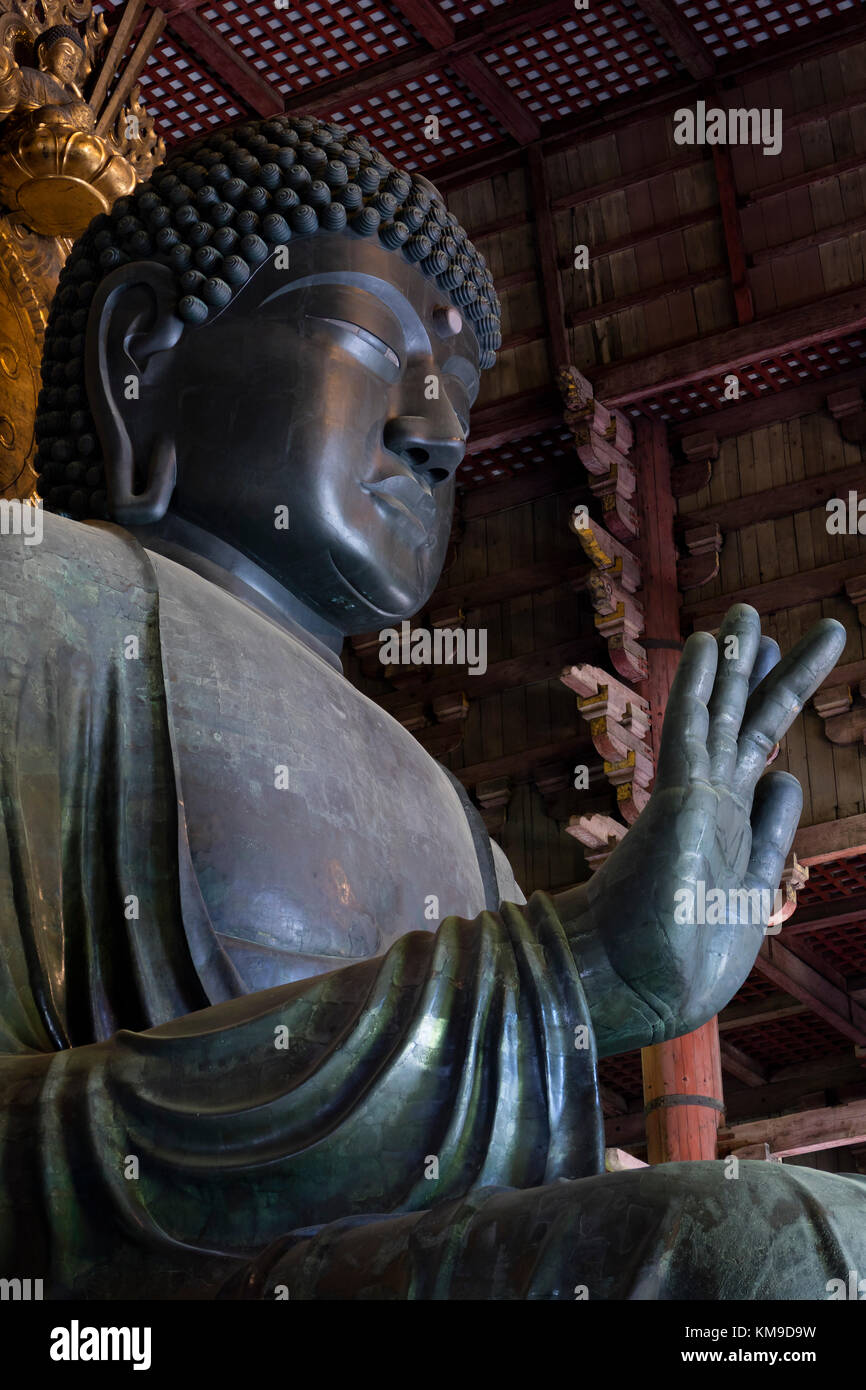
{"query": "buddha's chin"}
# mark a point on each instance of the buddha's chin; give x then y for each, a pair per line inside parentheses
(385, 598)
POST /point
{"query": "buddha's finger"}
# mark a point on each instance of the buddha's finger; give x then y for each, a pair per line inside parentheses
(768, 657)
(738, 645)
(775, 703)
(776, 814)
(683, 754)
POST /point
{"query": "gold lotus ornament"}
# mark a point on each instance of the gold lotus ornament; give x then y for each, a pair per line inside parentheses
(59, 178)
(74, 137)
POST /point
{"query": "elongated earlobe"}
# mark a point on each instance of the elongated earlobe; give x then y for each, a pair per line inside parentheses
(147, 507)
(132, 318)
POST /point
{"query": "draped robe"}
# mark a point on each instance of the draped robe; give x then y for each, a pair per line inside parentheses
(423, 1123)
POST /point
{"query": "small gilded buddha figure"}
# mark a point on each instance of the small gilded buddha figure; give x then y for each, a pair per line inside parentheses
(48, 94)
(239, 1055)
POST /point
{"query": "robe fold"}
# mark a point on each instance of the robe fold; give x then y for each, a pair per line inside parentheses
(166, 1123)
(424, 1123)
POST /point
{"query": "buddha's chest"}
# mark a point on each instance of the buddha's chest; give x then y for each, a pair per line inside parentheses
(319, 829)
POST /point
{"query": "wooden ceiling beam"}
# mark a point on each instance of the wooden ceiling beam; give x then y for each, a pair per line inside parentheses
(440, 33)
(641, 235)
(510, 584)
(755, 412)
(591, 313)
(818, 916)
(520, 767)
(752, 1012)
(546, 480)
(414, 63)
(806, 179)
(830, 316)
(667, 96)
(741, 1065)
(513, 115)
(680, 37)
(790, 972)
(432, 24)
(205, 43)
(775, 502)
(548, 261)
(810, 1131)
(834, 839)
(512, 418)
(733, 234)
(822, 237)
(510, 674)
(837, 1076)
(807, 586)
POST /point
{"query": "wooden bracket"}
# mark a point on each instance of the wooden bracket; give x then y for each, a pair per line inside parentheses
(849, 411)
(856, 590)
(618, 723)
(493, 797)
(700, 451)
(794, 876)
(704, 544)
(844, 721)
(600, 835)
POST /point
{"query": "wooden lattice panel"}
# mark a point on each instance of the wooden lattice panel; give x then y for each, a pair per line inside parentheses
(728, 28)
(581, 61)
(394, 120)
(832, 882)
(843, 948)
(622, 1074)
(311, 42)
(184, 100)
(458, 11)
(763, 377)
(783, 1042)
(522, 456)
(755, 988)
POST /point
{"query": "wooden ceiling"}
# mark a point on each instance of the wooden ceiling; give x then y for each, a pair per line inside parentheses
(554, 129)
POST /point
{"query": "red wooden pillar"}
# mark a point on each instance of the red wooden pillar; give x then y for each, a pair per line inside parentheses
(682, 1079)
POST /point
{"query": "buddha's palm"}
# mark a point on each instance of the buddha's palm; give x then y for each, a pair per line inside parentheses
(656, 959)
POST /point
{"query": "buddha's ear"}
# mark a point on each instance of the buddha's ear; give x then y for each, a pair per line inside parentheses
(131, 329)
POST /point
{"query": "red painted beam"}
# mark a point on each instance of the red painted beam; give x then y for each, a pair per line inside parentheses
(593, 312)
(210, 47)
(548, 259)
(508, 109)
(831, 316)
(733, 233)
(513, 417)
(429, 20)
(771, 408)
(693, 53)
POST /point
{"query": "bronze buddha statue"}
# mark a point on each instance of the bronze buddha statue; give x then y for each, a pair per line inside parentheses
(240, 1057)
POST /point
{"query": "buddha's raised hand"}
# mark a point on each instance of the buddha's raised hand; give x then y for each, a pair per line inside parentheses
(660, 949)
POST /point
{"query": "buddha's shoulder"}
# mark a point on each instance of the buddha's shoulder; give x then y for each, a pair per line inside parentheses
(50, 564)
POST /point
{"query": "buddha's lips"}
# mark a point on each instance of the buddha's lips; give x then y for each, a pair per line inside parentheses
(406, 495)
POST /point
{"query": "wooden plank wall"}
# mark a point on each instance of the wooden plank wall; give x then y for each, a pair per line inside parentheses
(833, 778)
(667, 184)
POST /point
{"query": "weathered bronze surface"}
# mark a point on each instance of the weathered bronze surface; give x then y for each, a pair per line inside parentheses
(276, 1020)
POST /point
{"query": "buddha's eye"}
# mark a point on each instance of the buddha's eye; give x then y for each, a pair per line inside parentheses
(363, 334)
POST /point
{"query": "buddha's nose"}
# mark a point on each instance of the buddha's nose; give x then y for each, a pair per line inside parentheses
(429, 451)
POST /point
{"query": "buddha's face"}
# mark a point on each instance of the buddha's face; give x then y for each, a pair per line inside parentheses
(319, 423)
(62, 60)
